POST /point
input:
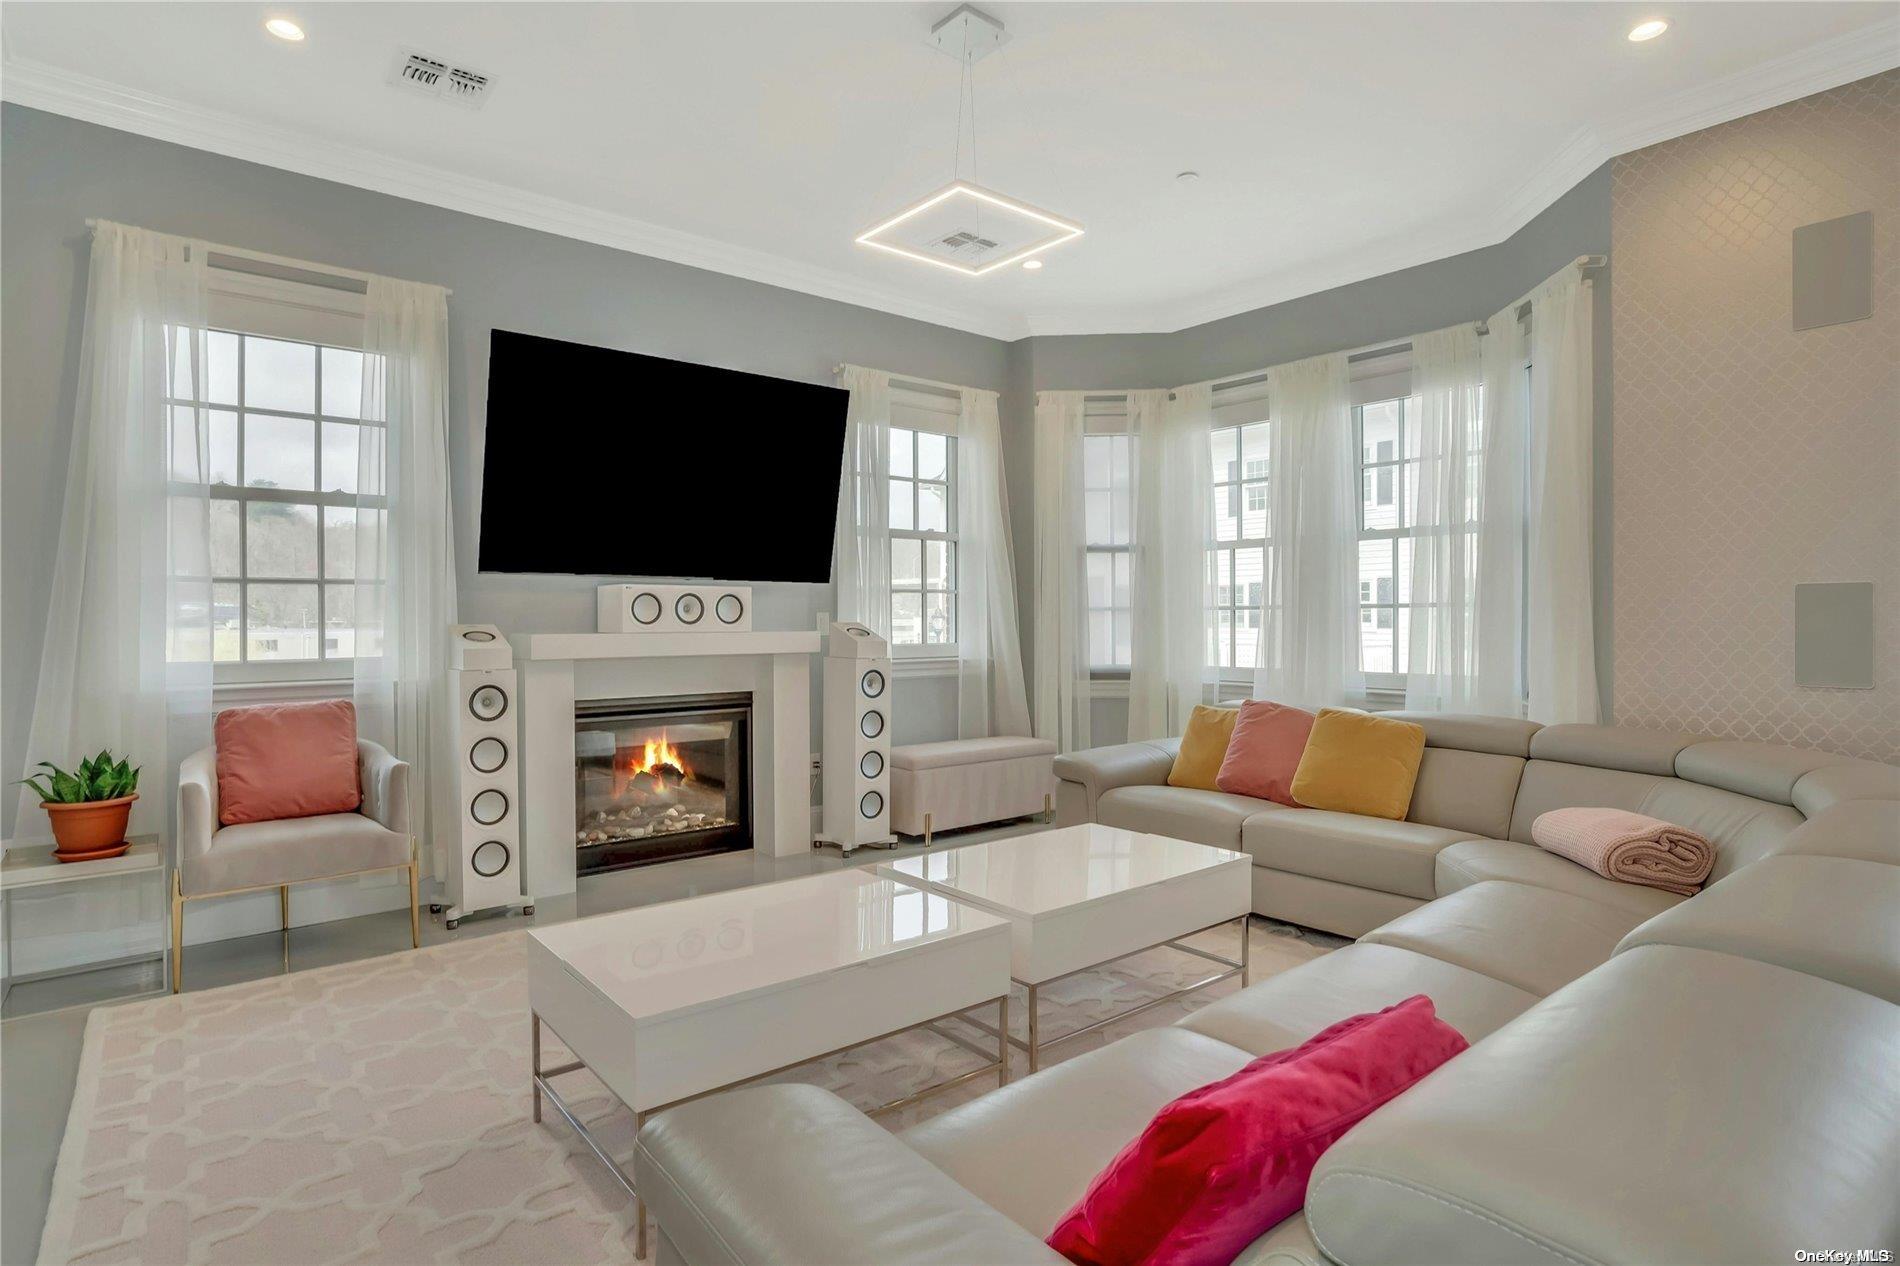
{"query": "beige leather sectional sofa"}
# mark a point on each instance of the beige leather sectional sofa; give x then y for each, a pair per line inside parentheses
(1651, 1080)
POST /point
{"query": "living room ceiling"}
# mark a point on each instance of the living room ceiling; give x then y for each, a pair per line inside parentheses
(1333, 141)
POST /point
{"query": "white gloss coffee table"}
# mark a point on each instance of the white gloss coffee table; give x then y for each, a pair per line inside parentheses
(670, 1002)
(1081, 897)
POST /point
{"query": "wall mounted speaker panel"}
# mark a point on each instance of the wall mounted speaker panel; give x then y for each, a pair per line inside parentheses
(1834, 271)
(1834, 635)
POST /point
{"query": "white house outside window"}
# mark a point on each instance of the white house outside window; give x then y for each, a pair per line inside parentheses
(1388, 486)
(1108, 531)
(282, 411)
(923, 539)
(1239, 554)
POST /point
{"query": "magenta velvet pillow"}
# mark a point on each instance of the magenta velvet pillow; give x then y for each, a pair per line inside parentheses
(1268, 741)
(1220, 1166)
(287, 760)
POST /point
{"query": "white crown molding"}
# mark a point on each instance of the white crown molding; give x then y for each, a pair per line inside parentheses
(1790, 77)
(1829, 64)
(58, 91)
(1822, 66)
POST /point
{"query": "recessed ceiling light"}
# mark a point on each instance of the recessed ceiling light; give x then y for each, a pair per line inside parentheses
(1647, 30)
(1032, 264)
(1186, 177)
(284, 29)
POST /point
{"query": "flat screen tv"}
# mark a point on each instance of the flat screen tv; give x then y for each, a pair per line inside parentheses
(611, 463)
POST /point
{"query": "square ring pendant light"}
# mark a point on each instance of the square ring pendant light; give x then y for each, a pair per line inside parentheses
(969, 229)
(963, 226)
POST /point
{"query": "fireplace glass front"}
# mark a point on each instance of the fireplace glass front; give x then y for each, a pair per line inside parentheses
(661, 779)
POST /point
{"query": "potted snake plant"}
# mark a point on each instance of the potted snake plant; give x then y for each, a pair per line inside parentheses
(88, 807)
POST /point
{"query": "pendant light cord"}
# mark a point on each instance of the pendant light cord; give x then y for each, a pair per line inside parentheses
(965, 86)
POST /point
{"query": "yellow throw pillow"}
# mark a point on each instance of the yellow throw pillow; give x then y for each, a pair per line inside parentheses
(1356, 762)
(1203, 747)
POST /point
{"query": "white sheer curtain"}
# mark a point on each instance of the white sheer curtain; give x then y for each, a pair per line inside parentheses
(1561, 645)
(1465, 564)
(990, 694)
(1500, 608)
(126, 664)
(862, 547)
(1173, 524)
(1062, 659)
(1310, 603)
(405, 541)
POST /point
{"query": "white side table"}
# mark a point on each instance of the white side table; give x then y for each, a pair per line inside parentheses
(34, 866)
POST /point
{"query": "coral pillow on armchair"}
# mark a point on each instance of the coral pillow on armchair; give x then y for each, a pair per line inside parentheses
(287, 760)
(1222, 1165)
(1265, 751)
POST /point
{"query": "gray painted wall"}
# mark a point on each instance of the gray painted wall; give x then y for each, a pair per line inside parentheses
(1430, 296)
(59, 171)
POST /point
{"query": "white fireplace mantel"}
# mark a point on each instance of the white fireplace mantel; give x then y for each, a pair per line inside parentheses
(557, 670)
(661, 645)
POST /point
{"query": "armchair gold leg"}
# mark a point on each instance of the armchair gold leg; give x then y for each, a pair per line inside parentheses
(283, 905)
(415, 914)
(178, 934)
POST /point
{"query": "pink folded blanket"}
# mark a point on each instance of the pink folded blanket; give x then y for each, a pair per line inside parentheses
(1628, 847)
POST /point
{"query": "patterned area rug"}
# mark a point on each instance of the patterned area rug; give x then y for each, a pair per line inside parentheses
(378, 1112)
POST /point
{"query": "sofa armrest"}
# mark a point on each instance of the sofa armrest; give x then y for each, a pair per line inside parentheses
(385, 786)
(197, 803)
(792, 1173)
(1100, 769)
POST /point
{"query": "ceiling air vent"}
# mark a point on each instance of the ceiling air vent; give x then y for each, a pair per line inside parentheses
(966, 246)
(433, 77)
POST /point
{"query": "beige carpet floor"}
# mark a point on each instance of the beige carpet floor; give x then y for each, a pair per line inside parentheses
(379, 1112)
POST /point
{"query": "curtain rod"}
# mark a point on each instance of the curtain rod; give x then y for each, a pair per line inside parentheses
(1582, 263)
(281, 261)
(912, 379)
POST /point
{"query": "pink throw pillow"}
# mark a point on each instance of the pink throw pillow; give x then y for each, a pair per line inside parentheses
(1220, 1166)
(287, 760)
(1264, 753)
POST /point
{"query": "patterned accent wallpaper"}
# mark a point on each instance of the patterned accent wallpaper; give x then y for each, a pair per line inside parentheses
(1749, 457)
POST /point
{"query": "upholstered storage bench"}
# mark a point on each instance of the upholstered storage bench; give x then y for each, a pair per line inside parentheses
(967, 782)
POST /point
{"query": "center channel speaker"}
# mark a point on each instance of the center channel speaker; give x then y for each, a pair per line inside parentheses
(857, 734)
(485, 871)
(673, 608)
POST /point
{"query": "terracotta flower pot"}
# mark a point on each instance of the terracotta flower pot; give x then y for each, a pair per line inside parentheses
(90, 830)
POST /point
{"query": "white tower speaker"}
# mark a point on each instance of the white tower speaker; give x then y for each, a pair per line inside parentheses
(857, 732)
(484, 870)
(644, 608)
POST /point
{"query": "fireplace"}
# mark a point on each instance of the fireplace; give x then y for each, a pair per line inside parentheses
(661, 779)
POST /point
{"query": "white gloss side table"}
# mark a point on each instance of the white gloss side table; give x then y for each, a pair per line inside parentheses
(670, 1002)
(1080, 897)
(27, 866)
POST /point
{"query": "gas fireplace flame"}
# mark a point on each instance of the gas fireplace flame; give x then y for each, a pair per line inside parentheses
(657, 758)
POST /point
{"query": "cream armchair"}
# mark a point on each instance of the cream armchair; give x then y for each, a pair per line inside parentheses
(215, 861)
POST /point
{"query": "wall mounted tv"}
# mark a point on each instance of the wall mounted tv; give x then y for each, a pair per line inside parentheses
(611, 463)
